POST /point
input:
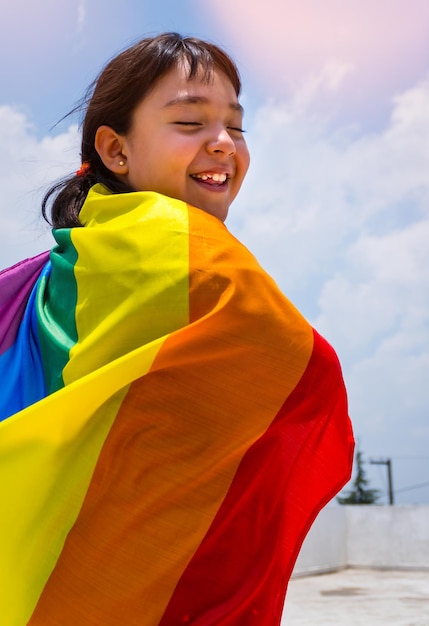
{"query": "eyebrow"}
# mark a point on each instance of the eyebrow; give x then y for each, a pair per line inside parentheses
(235, 106)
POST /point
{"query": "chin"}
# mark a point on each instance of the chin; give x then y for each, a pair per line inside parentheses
(219, 211)
(221, 214)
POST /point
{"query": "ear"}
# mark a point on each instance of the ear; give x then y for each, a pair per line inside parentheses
(109, 145)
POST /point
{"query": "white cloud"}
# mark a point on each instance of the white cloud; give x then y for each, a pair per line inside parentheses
(28, 165)
(328, 80)
(342, 222)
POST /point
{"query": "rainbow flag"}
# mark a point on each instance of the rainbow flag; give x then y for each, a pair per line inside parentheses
(171, 425)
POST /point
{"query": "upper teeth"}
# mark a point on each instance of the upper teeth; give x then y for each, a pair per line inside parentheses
(218, 178)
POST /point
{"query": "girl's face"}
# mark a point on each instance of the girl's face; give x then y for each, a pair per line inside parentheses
(186, 142)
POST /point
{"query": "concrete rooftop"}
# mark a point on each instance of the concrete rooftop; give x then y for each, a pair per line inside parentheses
(359, 597)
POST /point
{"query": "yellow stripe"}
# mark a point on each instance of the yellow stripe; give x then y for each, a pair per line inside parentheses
(126, 298)
(48, 453)
(132, 275)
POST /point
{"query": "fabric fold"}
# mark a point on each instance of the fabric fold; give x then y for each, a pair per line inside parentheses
(194, 425)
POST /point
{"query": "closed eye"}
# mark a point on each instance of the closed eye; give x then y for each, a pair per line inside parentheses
(189, 123)
(234, 128)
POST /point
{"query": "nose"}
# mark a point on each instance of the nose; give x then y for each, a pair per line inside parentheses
(221, 143)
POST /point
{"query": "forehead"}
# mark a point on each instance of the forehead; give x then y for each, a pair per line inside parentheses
(176, 89)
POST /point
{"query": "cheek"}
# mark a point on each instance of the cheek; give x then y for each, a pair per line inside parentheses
(243, 153)
(175, 150)
(244, 161)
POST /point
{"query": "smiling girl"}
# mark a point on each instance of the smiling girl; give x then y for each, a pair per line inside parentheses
(163, 116)
(171, 424)
(185, 142)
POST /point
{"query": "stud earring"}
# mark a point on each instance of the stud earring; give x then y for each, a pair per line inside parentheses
(121, 163)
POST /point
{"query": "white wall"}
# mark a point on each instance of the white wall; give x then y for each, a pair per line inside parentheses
(366, 536)
(325, 546)
(388, 536)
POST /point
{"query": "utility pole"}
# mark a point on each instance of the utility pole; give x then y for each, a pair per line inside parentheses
(388, 464)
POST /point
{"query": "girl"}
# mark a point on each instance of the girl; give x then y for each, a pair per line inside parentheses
(171, 424)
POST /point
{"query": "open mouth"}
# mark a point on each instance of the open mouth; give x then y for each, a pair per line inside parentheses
(211, 178)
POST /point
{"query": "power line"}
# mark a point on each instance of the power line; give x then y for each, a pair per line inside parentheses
(426, 484)
(411, 458)
(388, 464)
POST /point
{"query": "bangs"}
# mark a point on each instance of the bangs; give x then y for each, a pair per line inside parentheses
(202, 58)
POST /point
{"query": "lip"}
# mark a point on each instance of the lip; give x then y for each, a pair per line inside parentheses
(212, 170)
(212, 186)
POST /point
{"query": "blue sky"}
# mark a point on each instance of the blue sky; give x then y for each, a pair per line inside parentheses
(336, 203)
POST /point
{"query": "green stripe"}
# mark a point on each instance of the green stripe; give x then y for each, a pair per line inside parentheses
(56, 310)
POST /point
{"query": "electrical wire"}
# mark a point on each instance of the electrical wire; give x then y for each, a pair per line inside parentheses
(426, 484)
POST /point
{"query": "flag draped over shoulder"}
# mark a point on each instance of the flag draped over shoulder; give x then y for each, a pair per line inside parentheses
(171, 425)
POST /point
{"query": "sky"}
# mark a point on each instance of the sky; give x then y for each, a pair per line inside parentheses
(336, 203)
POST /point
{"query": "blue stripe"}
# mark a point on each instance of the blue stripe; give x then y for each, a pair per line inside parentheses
(21, 366)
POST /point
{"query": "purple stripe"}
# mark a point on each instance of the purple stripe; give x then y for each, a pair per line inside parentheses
(16, 283)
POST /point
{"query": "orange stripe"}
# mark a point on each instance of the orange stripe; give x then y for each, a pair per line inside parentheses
(285, 478)
(178, 440)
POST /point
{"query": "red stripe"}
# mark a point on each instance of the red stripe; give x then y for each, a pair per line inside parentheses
(239, 574)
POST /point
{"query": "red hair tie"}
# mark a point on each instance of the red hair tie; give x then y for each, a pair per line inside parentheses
(84, 169)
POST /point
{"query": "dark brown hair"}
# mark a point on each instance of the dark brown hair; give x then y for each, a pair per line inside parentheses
(111, 100)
